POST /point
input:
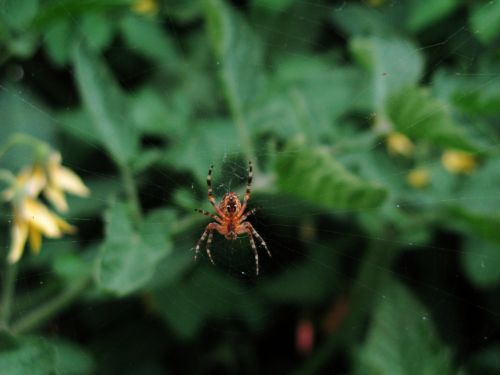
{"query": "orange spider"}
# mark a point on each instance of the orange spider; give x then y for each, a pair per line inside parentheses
(230, 218)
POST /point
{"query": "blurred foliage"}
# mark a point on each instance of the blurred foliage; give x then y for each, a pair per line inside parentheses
(141, 97)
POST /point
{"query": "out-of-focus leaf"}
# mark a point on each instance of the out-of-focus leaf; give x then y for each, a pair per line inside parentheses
(307, 96)
(315, 176)
(58, 41)
(238, 55)
(486, 361)
(128, 259)
(485, 21)
(54, 11)
(106, 104)
(481, 262)
(307, 283)
(184, 11)
(272, 5)
(414, 112)
(144, 36)
(98, 30)
(101, 192)
(392, 62)
(357, 19)
(215, 296)
(423, 13)
(208, 142)
(28, 355)
(23, 113)
(19, 14)
(71, 359)
(478, 95)
(402, 339)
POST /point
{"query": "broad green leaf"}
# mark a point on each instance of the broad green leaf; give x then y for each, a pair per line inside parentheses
(423, 13)
(128, 259)
(27, 355)
(315, 176)
(414, 112)
(209, 142)
(98, 30)
(21, 112)
(393, 63)
(71, 359)
(214, 295)
(237, 54)
(18, 14)
(272, 5)
(106, 104)
(481, 262)
(402, 339)
(356, 19)
(485, 21)
(184, 11)
(58, 41)
(146, 37)
(309, 282)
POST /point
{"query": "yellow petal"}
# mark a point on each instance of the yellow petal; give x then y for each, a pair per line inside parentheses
(69, 181)
(19, 234)
(35, 239)
(41, 217)
(458, 161)
(56, 197)
(145, 6)
(418, 178)
(64, 226)
(398, 143)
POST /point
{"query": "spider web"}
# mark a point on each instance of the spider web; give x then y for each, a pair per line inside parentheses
(303, 238)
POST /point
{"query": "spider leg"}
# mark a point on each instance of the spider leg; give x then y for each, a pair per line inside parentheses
(209, 241)
(246, 198)
(203, 212)
(257, 235)
(211, 197)
(208, 230)
(254, 249)
(251, 212)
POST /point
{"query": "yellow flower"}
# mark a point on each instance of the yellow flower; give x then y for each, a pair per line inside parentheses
(59, 180)
(458, 161)
(418, 178)
(32, 219)
(145, 6)
(398, 143)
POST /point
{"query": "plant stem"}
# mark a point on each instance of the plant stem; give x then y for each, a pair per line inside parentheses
(47, 310)
(369, 280)
(132, 194)
(9, 283)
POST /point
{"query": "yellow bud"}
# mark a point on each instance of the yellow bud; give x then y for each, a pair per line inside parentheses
(145, 6)
(458, 161)
(418, 178)
(400, 144)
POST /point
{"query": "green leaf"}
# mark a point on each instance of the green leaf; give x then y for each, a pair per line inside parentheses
(58, 41)
(128, 259)
(106, 104)
(402, 339)
(356, 19)
(315, 176)
(23, 113)
(19, 14)
(147, 38)
(28, 355)
(71, 359)
(414, 112)
(481, 262)
(485, 21)
(393, 64)
(238, 54)
(272, 5)
(423, 13)
(98, 30)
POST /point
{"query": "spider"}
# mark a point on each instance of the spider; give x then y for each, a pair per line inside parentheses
(230, 219)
